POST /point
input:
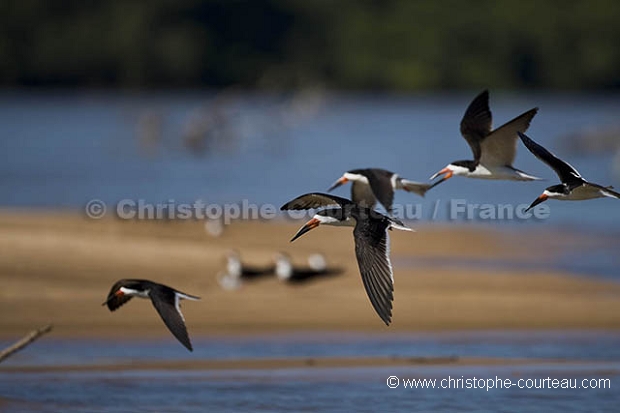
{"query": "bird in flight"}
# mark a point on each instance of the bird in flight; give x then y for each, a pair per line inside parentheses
(166, 301)
(371, 241)
(372, 184)
(573, 186)
(494, 150)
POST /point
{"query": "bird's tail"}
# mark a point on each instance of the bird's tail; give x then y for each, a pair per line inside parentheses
(416, 187)
(187, 296)
(397, 224)
(524, 176)
(609, 192)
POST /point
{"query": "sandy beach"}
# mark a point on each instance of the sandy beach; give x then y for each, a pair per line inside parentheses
(58, 267)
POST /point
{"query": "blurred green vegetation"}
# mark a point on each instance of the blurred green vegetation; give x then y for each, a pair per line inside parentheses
(372, 45)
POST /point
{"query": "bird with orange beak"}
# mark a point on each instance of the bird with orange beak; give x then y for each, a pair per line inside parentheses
(573, 186)
(372, 184)
(371, 242)
(166, 301)
(494, 150)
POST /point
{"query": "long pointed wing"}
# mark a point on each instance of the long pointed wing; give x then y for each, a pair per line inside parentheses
(381, 184)
(372, 251)
(166, 302)
(477, 122)
(500, 147)
(361, 194)
(315, 200)
(565, 172)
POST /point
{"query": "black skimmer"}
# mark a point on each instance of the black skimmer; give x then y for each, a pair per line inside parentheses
(165, 300)
(317, 267)
(573, 186)
(494, 150)
(371, 242)
(317, 261)
(372, 184)
(236, 268)
(237, 272)
(214, 227)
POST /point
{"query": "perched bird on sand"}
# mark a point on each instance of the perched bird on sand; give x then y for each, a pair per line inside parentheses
(237, 272)
(237, 268)
(317, 268)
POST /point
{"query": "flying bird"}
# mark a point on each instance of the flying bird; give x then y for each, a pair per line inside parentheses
(165, 300)
(573, 186)
(372, 184)
(494, 149)
(371, 242)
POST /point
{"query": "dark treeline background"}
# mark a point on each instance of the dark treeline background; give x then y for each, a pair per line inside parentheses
(371, 45)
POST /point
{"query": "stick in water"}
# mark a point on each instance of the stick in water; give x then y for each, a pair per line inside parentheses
(32, 336)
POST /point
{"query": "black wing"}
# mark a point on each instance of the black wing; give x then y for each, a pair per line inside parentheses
(381, 184)
(477, 122)
(565, 172)
(372, 251)
(114, 301)
(314, 200)
(362, 194)
(500, 147)
(166, 302)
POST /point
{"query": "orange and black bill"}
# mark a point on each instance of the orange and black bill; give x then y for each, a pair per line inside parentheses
(336, 184)
(540, 199)
(447, 174)
(313, 223)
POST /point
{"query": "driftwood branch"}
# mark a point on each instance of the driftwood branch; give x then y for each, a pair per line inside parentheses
(32, 336)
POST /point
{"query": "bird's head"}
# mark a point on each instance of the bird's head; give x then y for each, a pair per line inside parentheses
(554, 191)
(317, 262)
(329, 216)
(114, 295)
(284, 266)
(124, 289)
(233, 263)
(452, 169)
(349, 176)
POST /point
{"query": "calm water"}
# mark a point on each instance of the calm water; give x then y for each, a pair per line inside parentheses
(590, 255)
(63, 150)
(315, 389)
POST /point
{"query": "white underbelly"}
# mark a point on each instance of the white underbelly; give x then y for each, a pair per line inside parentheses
(583, 192)
(503, 173)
